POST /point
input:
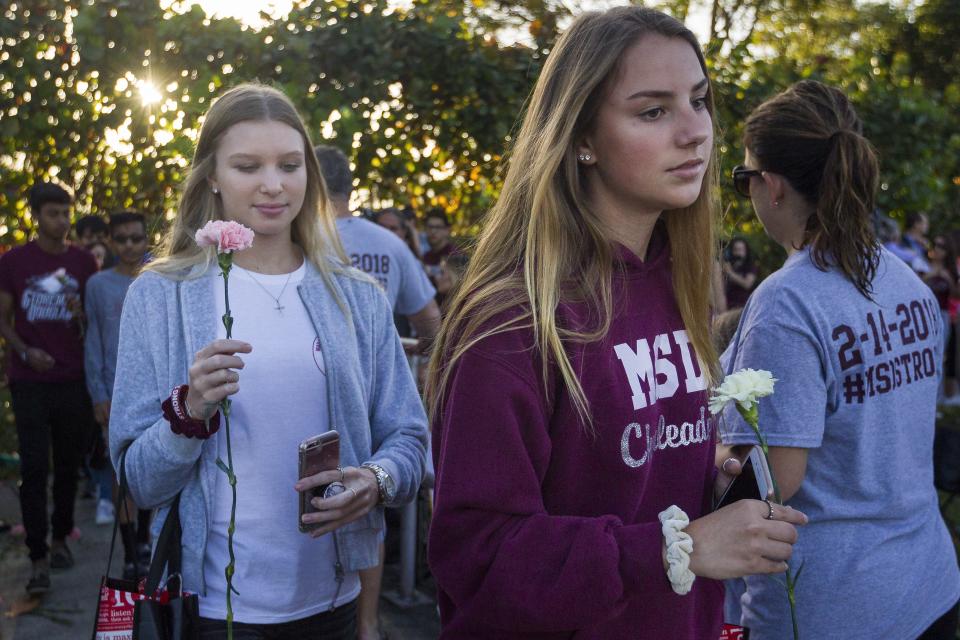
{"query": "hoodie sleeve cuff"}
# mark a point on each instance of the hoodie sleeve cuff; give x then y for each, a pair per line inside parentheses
(179, 447)
(641, 557)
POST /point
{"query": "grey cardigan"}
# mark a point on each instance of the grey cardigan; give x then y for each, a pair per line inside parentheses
(371, 395)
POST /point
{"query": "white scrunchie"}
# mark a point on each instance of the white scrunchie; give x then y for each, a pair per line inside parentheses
(673, 521)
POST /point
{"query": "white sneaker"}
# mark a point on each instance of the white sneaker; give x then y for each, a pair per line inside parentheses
(952, 401)
(105, 513)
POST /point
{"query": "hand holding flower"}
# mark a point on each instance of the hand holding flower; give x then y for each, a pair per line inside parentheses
(738, 540)
(213, 376)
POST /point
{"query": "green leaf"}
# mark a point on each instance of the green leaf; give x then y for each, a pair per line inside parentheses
(796, 576)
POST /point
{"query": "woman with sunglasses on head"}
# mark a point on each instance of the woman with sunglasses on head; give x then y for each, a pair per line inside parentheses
(568, 383)
(313, 349)
(854, 340)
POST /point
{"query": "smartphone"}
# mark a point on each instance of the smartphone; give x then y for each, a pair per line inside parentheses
(754, 481)
(316, 454)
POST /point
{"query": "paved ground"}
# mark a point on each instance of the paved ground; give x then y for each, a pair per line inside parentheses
(67, 612)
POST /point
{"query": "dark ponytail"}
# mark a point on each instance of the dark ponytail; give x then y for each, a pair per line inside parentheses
(811, 135)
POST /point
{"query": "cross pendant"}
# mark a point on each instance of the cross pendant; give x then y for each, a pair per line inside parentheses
(280, 308)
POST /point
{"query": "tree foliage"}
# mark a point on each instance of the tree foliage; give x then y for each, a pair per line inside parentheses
(421, 103)
(424, 99)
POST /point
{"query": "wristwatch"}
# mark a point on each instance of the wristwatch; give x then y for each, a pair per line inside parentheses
(386, 486)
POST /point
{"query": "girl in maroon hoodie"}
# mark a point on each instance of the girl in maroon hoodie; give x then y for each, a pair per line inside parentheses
(568, 386)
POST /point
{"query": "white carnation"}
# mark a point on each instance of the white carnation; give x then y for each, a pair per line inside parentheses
(745, 387)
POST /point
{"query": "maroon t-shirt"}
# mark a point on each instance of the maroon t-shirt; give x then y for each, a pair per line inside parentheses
(940, 285)
(736, 295)
(543, 530)
(47, 291)
(431, 260)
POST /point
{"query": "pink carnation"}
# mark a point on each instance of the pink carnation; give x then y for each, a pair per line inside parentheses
(226, 235)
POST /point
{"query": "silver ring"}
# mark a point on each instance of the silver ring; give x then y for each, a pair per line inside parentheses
(340, 469)
(355, 494)
(769, 515)
(333, 489)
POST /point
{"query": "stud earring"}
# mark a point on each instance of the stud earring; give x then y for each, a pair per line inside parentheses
(584, 157)
(776, 203)
(215, 191)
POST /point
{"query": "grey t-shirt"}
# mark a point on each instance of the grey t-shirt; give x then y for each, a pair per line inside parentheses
(103, 302)
(379, 253)
(856, 386)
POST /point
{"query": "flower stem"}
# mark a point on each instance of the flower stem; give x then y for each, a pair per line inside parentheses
(752, 417)
(791, 596)
(231, 476)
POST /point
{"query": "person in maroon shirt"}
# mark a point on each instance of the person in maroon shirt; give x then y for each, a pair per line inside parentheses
(739, 273)
(41, 289)
(437, 225)
(568, 384)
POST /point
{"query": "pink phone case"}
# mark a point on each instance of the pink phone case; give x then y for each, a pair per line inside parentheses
(319, 453)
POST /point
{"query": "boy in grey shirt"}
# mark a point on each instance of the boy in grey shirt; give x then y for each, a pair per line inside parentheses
(379, 253)
(104, 302)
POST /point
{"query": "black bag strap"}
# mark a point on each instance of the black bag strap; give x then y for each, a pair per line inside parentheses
(167, 554)
(121, 500)
(122, 496)
(168, 544)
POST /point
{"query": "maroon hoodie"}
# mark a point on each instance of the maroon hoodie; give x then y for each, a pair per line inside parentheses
(542, 530)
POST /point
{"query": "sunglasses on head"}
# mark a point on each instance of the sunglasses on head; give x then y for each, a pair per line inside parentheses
(741, 179)
(135, 239)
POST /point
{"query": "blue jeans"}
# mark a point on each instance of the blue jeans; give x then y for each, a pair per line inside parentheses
(339, 624)
(104, 477)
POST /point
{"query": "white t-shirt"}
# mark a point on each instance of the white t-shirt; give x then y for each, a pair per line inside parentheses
(281, 573)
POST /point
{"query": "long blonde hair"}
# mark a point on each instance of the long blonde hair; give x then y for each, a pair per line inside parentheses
(314, 228)
(541, 243)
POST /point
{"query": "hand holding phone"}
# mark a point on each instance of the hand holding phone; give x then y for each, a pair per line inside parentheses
(754, 482)
(316, 454)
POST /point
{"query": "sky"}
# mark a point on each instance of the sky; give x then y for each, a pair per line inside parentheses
(248, 11)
